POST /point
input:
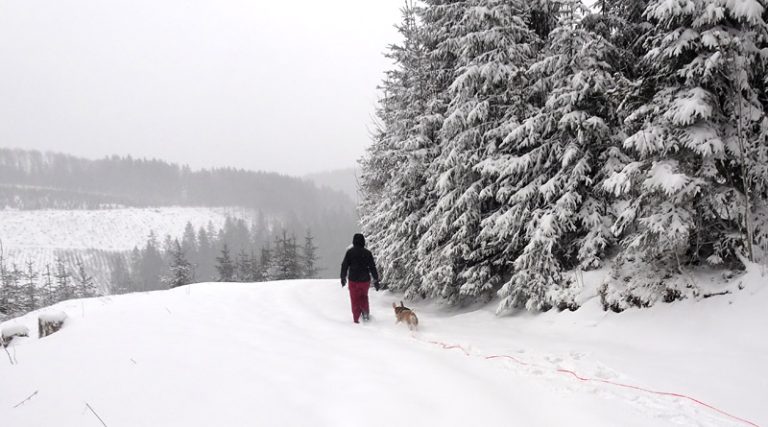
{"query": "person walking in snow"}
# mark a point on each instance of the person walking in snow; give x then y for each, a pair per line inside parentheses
(358, 263)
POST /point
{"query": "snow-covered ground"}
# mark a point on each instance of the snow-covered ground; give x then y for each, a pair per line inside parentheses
(288, 354)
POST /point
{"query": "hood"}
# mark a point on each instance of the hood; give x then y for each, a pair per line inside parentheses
(358, 240)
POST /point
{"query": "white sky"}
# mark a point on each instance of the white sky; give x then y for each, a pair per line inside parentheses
(286, 86)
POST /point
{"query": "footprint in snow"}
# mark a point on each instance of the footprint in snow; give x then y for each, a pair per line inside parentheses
(554, 359)
(605, 373)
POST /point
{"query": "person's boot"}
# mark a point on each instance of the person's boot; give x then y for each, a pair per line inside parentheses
(366, 316)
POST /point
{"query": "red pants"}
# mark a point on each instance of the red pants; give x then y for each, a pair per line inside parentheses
(358, 294)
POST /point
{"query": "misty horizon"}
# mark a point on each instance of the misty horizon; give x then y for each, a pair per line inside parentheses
(181, 165)
(263, 87)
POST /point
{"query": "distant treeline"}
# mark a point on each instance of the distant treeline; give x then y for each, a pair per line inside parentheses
(27, 288)
(34, 180)
(235, 253)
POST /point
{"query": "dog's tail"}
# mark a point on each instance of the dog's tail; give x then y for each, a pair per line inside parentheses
(414, 321)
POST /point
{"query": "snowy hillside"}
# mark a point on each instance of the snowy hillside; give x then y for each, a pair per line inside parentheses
(107, 229)
(91, 235)
(288, 354)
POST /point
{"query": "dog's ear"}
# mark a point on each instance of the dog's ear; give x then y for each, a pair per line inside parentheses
(401, 304)
(393, 305)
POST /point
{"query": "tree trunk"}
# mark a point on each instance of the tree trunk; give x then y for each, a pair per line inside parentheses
(50, 323)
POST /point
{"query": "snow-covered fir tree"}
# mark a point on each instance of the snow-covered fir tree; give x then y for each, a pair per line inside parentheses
(623, 24)
(151, 265)
(254, 275)
(84, 284)
(493, 46)
(309, 269)
(284, 262)
(225, 266)
(48, 291)
(5, 308)
(189, 239)
(394, 168)
(31, 295)
(204, 256)
(266, 267)
(697, 137)
(243, 268)
(551, 216)
(65, 289)
(120, 277)
(181, 272)
(11, 294)
(521, 140)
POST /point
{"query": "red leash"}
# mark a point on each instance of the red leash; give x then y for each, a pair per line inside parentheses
(466, 352)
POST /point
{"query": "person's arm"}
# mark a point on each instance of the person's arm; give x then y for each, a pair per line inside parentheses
(372, 269)
(344, 269)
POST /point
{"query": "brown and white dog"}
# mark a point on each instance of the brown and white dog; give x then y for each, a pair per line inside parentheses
(405, 314)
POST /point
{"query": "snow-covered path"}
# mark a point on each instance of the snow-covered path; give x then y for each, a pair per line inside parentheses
(287, 354)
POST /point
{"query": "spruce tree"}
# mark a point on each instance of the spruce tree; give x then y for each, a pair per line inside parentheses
(259, 230)
(266, 264)
(205, 256)
(84, 284)
(621, 23)
(493, 47)
(189, 239)
(152, 265)
(552, 217)
(224, 265)
(396, 197)
(48, 290)
(243, 268)
(31, 295)
(120, 275)
(10, 292)
(135, 270)
(287, 258)
(5, 297)
(255, 273)
(309, 268)
(167, 248)
(16, 290)
(518, 141)
(65, 290)
(696, 135)
(181, 271)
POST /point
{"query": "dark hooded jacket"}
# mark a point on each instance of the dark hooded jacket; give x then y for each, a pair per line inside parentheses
(358, 262)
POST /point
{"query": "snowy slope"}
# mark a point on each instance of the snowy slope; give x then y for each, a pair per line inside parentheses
(40, 236)
(288, 354)
(108, 229)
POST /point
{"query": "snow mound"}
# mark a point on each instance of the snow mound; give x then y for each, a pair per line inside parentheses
(288, 354)
(57, 317)
(14, 331)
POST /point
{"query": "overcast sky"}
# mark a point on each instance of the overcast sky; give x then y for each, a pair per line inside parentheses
(285, 86)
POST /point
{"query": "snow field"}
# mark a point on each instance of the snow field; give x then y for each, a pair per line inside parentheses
(107, 229)
(93, 236)
(287, 353)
